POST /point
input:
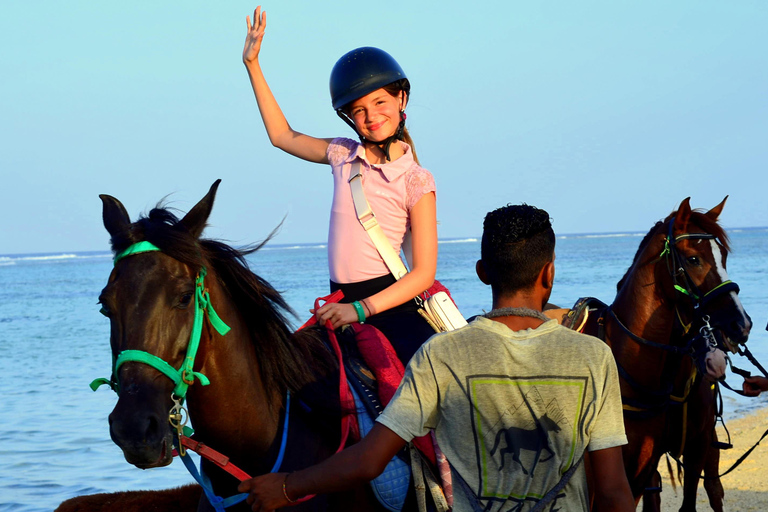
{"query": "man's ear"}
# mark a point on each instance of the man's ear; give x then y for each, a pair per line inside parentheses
(548, 275)
(480, 269)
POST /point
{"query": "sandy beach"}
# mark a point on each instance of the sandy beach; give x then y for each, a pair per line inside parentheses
(746, 488)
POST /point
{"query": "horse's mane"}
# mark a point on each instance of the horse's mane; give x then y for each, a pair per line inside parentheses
(286, 360)
(698, 217)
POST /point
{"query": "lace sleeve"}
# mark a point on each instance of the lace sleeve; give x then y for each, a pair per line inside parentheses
(339, 150)
(417, 183)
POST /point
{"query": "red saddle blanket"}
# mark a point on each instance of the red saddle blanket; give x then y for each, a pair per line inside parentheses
(381, 359)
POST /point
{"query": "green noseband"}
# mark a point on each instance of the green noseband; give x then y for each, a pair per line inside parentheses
(184, 376)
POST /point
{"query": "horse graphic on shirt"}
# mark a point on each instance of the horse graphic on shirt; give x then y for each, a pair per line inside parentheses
(535, 440)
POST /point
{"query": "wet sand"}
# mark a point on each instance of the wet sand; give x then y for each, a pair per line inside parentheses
(746, 487)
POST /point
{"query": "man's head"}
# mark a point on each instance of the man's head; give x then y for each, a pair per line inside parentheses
(517, 251)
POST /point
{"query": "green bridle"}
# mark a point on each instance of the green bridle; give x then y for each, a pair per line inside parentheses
(184, 376)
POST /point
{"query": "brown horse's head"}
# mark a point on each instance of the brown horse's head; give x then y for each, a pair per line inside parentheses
(700, 280)
(150, 301)
(686, 256)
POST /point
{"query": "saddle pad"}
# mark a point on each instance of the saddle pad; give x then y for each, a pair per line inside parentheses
(390, 487)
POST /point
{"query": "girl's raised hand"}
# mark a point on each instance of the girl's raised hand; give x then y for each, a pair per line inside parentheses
(254, 36)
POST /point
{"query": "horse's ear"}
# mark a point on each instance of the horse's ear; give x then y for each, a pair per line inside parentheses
(116, 218)
(195, 220)
(715, 212)
(683, 215)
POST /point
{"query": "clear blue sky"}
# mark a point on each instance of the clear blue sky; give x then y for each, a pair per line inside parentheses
(606, 114)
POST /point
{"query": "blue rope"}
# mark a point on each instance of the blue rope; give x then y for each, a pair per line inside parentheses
(217, 502)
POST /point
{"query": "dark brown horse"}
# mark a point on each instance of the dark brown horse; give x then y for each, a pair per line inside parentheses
(150, 301)
(676, 285)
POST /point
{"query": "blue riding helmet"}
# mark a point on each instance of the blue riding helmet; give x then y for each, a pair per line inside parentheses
(361, 72)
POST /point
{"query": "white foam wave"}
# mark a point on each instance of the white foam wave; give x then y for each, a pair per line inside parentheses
(602, 235)
(294, 247)
(459, 241)
(48, 257)
(8, 260)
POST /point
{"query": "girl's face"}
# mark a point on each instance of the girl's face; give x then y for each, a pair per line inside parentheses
(376, 115)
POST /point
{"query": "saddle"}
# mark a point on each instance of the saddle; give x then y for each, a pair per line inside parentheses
(586, 314)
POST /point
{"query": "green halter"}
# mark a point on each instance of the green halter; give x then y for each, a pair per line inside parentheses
(185, 375)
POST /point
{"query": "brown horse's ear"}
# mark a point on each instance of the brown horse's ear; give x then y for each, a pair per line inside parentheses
(683, 215)
(195, 220)
(116, 218)
(715, 212)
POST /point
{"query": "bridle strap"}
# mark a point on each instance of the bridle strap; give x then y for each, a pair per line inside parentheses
(185, 375)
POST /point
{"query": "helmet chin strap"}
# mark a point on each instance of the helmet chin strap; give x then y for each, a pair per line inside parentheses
(382, 144)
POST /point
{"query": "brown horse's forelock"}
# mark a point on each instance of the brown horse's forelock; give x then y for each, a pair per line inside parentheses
(287, 360)
(698, 217)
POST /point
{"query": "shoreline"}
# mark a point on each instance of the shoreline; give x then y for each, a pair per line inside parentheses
(746, 487)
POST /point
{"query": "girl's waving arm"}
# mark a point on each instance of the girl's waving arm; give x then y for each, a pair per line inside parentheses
(281, 135)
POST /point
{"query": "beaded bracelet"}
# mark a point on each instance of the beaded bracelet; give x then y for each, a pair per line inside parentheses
(360, 312)
(285, 493)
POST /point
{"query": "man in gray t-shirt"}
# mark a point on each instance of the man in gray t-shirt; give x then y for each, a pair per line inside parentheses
(515, 399)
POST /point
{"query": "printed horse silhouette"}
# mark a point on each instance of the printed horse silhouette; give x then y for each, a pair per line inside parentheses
(535, 440)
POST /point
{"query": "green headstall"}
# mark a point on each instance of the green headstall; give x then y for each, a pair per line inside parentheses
(184, 376)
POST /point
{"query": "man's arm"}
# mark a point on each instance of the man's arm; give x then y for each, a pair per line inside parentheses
(353, 466)
(612, 492)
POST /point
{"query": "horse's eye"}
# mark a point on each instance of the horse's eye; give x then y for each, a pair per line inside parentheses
(185, 300)
(693, 261)
(104, 309)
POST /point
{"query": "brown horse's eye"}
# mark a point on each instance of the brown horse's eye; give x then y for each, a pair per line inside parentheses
(693, 261)
(185, 300)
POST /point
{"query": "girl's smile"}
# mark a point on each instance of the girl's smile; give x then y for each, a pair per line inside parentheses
(376, 115)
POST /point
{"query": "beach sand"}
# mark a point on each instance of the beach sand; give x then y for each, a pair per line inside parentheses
(746, 487)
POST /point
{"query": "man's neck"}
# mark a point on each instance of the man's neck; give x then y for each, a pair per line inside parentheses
(519, 300)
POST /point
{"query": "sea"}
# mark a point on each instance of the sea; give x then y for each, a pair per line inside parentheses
(54, 437)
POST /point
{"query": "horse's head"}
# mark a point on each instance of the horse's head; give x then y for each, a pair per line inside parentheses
(696, 255)
(152, 299)
(694, 277)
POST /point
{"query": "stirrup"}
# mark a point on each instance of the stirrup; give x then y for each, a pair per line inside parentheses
(721, 445)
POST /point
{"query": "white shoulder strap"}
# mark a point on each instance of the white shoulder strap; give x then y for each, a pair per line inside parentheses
(368, 219)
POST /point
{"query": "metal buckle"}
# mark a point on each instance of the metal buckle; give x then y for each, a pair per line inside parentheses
(177, 417)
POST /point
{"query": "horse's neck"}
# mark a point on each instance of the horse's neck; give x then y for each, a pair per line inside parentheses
(639, 306)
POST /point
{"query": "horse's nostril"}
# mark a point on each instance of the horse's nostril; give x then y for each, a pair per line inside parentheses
(152, 427)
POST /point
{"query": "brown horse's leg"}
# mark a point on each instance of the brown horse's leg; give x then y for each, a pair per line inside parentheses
(712, 483)
(180, 499)
(652, 494)
(698, 447)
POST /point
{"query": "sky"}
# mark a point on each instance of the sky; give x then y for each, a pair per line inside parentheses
(606, 114)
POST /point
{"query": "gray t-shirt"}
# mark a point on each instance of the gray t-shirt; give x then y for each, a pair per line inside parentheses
(512, 410)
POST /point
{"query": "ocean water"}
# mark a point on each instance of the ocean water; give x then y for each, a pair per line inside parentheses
(54, 438)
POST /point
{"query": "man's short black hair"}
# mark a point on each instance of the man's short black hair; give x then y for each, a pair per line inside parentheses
(518, 241)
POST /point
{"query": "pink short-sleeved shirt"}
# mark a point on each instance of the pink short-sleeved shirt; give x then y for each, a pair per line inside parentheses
(392, 189)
